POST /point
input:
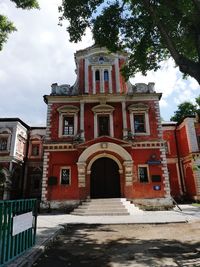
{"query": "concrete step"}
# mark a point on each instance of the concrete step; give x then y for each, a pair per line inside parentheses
(101, 207)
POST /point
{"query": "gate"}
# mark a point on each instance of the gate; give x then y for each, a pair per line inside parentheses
(17, 227)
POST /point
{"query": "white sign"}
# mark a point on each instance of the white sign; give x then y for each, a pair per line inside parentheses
(22, 222)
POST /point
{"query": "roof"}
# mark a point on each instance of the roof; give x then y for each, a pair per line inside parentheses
(15, 120)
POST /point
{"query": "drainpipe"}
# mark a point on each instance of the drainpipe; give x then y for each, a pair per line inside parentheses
(179, 161)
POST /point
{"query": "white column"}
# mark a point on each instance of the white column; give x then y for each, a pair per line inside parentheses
(101, 80)
(110, 80)
(82, 120)
(75, 123)
(117, 75)
(93, 81)
(124, 119)
(111, 126)
(95, 126)
(86, 75)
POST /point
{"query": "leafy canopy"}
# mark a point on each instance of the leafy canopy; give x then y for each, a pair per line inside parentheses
(186, 109)
(150, 30)
(6, 26)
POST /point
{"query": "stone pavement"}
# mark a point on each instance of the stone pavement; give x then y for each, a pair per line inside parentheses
(49, 225)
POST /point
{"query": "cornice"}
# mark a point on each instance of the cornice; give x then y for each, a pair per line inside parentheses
(107, 98)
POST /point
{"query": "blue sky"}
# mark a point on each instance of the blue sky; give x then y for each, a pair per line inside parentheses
(40, 54)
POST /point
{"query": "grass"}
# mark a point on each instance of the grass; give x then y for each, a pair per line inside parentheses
(196, 204)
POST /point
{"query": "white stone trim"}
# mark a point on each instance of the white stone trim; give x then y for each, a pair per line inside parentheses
(191, 135)
(148, 174)
(82, 126)
(104, 148)
(103, 155)
(70, 112)
(117, 75)
(45, 176)
(62, 168)
(146, 117)
(103, 109)
(124, 119)
(86, 75)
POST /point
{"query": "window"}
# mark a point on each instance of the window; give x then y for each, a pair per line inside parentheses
(35, 150)
(106, 75)
(68, 125)
(139, 123)
(3, 143)
(65, 176)
(143, 174)
(97, 75)
(103, 125)
(139, 119)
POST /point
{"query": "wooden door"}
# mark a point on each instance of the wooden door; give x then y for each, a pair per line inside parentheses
(105, 179)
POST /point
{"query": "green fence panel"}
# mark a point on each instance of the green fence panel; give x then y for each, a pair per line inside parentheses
(14, 244)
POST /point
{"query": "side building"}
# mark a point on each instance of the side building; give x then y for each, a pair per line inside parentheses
(183, 157)
(20, 160)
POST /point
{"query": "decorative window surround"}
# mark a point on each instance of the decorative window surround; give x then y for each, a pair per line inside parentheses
(68, 110)
(101, 70)
(139, 109)
(148, 176)
(103, 109)
(5, 134)
(65, 181)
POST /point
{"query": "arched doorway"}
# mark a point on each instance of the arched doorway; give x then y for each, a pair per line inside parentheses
(104, 179)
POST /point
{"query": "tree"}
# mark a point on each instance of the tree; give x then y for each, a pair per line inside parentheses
(185, 109)
(150, 30)
(6, 26)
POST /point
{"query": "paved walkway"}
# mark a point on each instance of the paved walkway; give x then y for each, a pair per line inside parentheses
(49, 225)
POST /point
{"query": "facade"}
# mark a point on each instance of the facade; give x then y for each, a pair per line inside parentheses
(104, 137)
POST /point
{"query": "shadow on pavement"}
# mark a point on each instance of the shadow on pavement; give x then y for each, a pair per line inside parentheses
(97, 245)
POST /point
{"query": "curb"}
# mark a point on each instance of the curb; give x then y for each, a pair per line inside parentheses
(29, 257)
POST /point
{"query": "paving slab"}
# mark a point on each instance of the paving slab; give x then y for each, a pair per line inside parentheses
(49, 225)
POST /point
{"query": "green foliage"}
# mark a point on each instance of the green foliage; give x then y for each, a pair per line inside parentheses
(185, 109)
(26, 4)
(6, 26)
(150, 31)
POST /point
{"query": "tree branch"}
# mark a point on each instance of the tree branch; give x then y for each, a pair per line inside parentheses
(164, 34)
(197, 4)
(186, 65)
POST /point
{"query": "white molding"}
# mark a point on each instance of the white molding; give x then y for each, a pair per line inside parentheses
(86, 75)
(117, 81)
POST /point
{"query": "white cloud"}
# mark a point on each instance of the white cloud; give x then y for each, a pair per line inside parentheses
(40, 53)
(34, 57)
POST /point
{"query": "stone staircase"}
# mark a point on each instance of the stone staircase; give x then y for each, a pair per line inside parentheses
(105, 206)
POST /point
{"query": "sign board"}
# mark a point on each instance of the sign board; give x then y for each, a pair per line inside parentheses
(22, 223)
(153, 162)
(156, 178)
(157, 187)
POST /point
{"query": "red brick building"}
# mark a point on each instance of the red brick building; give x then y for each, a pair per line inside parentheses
(104, 137)
(183, 157)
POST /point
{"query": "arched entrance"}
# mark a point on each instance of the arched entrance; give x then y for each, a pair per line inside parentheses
(104, 179)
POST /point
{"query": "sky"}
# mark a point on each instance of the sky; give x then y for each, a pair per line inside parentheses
(39, 53)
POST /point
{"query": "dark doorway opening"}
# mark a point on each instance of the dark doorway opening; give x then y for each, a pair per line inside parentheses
(105, 179)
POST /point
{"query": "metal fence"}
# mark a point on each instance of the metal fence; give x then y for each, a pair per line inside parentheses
(17, 227)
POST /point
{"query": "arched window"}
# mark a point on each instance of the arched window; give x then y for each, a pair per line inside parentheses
(106, 75)
(97, 75)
